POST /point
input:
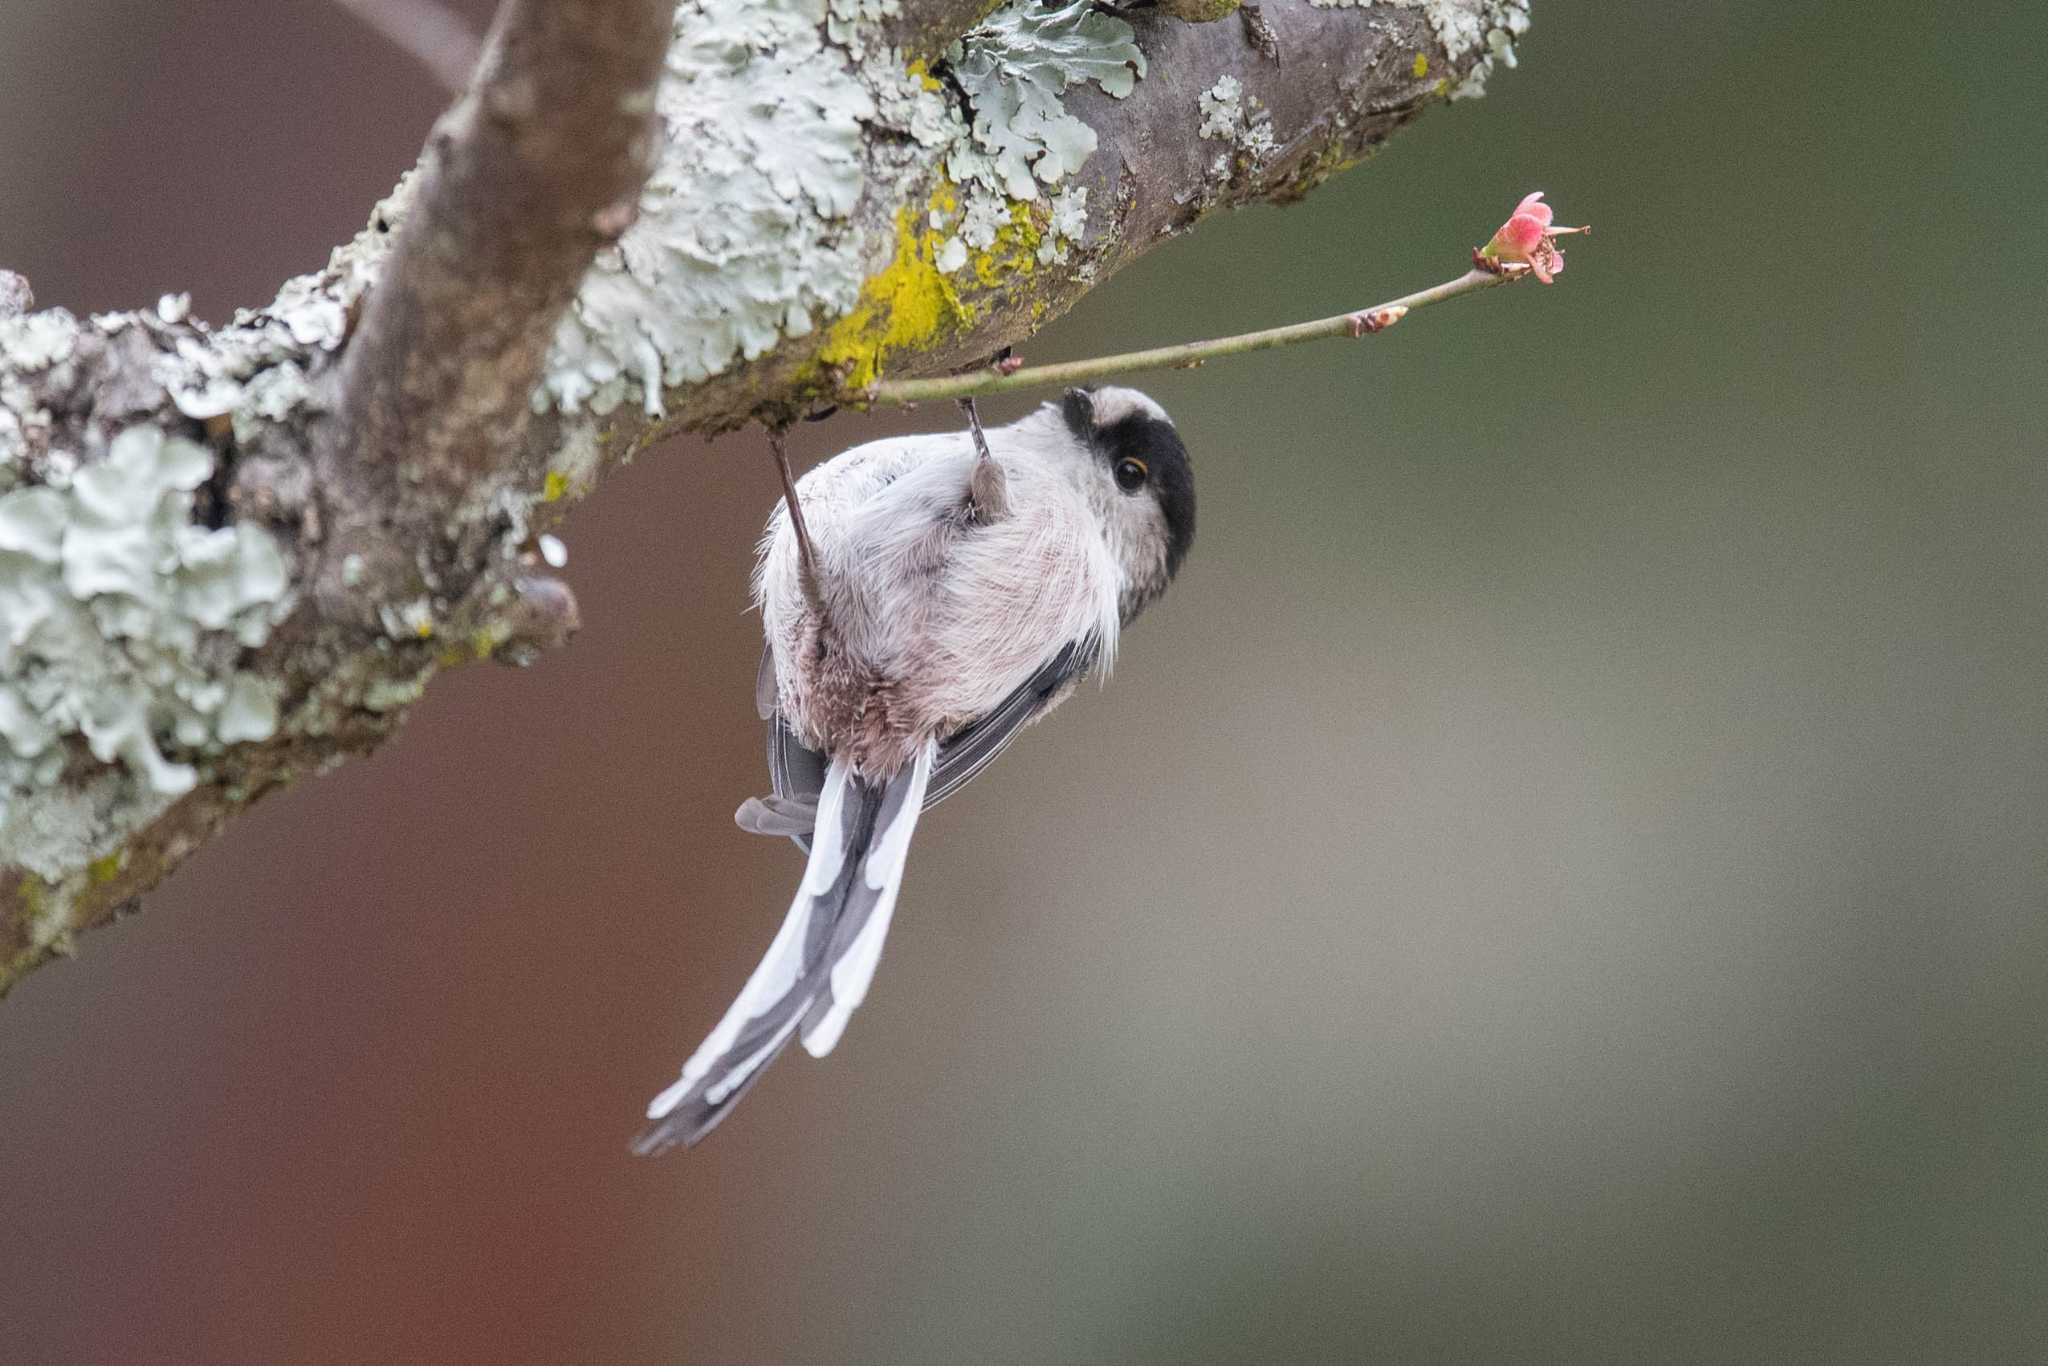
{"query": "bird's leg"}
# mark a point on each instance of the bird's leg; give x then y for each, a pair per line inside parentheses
(981, 453)
(808, 563)
(988, 491)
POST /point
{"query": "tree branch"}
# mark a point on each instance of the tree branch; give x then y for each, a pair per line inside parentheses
(231, 557)
(523, 180)
(925, 29)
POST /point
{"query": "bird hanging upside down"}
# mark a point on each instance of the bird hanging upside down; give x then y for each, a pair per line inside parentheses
(935, 595)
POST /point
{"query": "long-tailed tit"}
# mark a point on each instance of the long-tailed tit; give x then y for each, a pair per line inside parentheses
(950, 591)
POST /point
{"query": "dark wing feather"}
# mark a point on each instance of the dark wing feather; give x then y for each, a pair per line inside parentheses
(969, 750)
(796, 773)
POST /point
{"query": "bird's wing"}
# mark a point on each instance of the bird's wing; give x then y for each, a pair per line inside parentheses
(797, 773)
(971, 749)
(821, 961)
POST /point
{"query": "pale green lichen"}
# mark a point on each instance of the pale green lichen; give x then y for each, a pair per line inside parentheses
(1016, 68)
(574, 466)
(13, 447)
(252, 370)
(752, 230)
(983, 218)
(412, 620)
(67, 827)
(249, 712)
(850, 22)
(270, 396)
(1500, 50)
(744, 235)
(39, 341)
(1064, 224)
(390, 694)
(1233, 117)
(1487, 27)
(120, 619)
(1219, 108)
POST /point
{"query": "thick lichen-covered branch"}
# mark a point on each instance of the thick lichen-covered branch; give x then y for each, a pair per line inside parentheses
(221, 556)
(230, 557)
(1053, 145)
(538, 165)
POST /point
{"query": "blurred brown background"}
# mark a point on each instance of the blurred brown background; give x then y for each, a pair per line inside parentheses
(1562, 878)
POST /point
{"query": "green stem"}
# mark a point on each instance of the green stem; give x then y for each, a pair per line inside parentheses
(976, 383)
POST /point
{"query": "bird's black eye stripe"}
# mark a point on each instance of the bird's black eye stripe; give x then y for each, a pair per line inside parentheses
(1155, 447)
(1131, 474)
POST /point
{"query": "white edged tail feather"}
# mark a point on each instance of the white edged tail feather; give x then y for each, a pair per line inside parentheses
(821, 962)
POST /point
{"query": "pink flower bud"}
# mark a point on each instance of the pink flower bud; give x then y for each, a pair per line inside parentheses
(1527, 241)
(1518, 236)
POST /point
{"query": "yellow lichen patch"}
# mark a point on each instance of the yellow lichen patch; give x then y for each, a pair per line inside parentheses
(106, 868)
(920, 71)
(481, 643)
(484, 642)
(1421, 65)
(1333, 158)
(1015, 250)
(554, 486)
(912, 304)
(903, 307)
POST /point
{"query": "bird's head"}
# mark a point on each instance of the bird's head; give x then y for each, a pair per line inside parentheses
(1140, 482)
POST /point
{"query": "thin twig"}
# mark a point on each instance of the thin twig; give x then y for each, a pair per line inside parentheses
(426, 31)
(1187, 354)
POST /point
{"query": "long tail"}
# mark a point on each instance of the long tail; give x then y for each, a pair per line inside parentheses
(822, 959)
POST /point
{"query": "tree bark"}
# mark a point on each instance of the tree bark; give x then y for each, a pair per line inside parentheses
(232, 557)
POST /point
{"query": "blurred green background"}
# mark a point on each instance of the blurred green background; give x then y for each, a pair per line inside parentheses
(1563, 877)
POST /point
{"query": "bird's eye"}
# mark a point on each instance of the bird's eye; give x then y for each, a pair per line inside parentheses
(1130, 474)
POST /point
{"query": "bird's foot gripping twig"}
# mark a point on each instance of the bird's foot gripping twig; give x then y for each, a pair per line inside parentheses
(988, 490)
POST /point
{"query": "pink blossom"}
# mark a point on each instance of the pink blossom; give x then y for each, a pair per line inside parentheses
(1527, 241)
